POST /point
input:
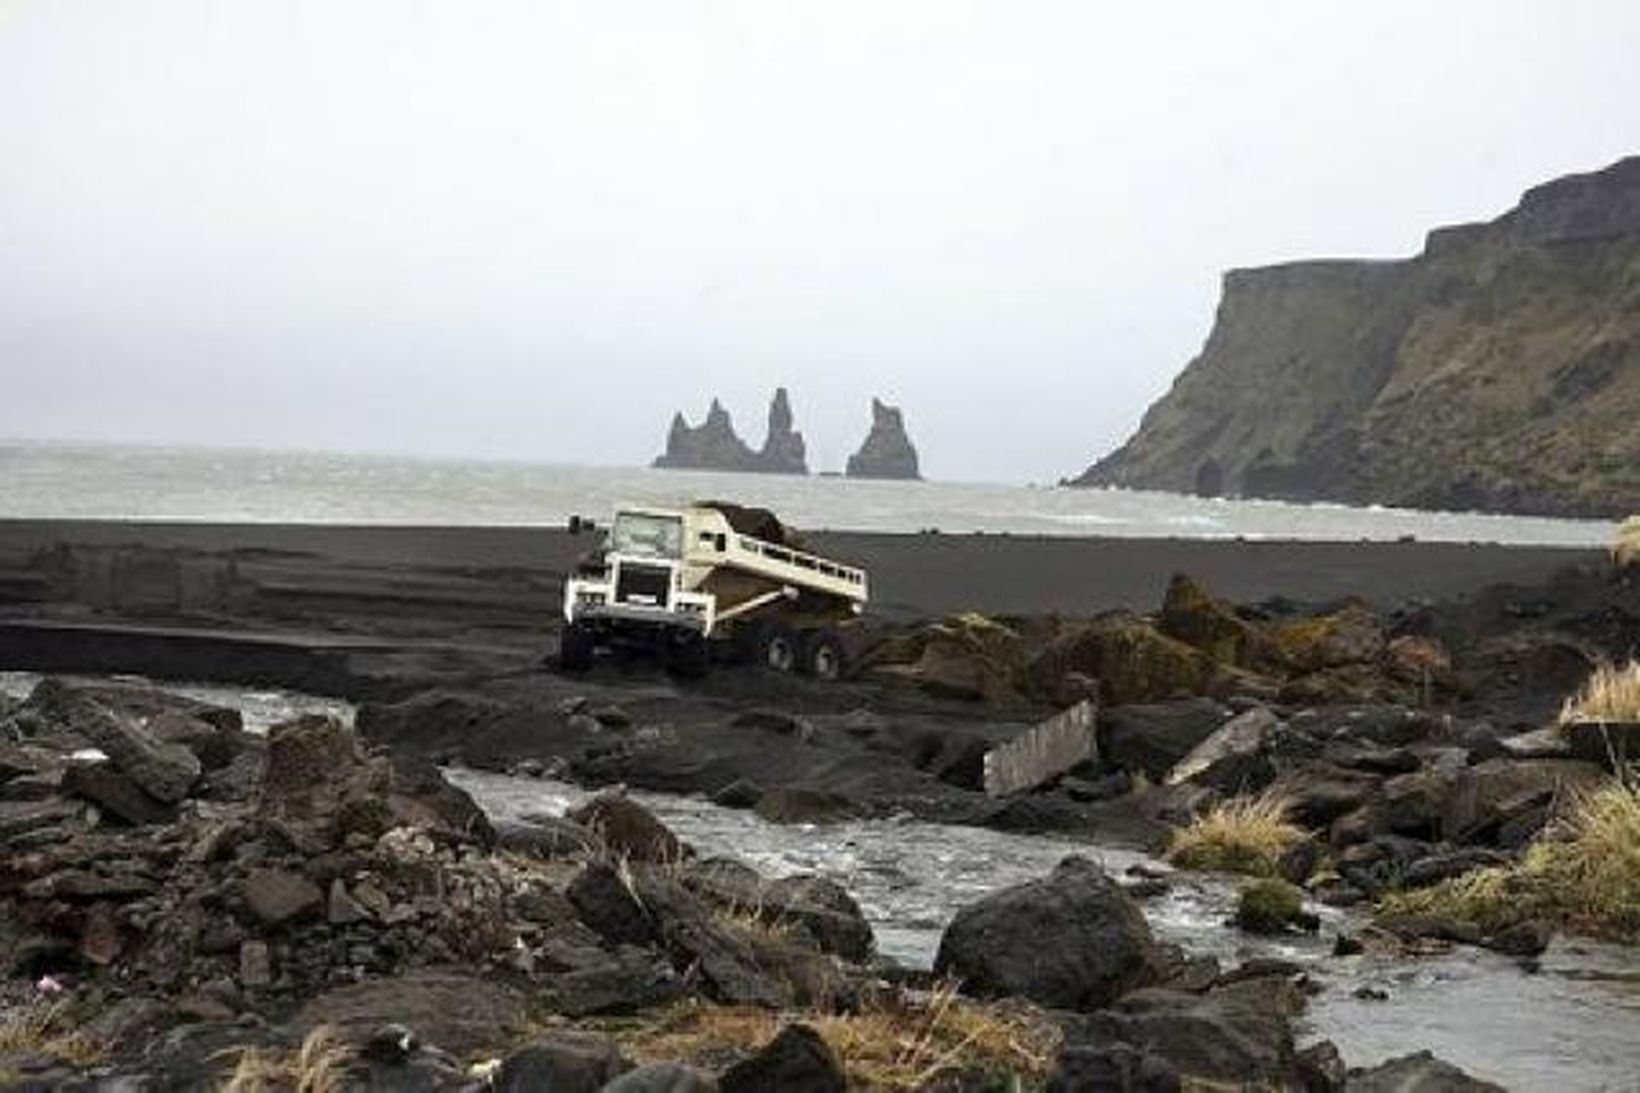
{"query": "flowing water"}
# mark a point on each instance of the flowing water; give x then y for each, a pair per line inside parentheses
(1569, 1021)
(152, 483)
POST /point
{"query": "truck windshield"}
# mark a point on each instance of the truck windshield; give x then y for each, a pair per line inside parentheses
(647, 536)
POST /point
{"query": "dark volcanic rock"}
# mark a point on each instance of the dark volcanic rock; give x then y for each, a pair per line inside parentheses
(275, 896)
(166, 771)
(662, 1078)
(1421, 1072)
(116, 794)
(713, 445)
(887, 451)
(1073, 940)
(627, 829)
(571, 1062)
(1239, 1035)
(1151, 738)
(797, 1060)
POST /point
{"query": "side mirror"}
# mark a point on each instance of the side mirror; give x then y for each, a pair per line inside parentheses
(578, 524)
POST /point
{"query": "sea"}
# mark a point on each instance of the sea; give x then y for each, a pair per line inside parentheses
(108, 482)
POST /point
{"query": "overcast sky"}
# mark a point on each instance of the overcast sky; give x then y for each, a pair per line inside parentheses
(534, 230)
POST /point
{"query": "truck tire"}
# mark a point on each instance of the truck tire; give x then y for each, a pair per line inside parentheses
(575, 648)
(775, 647)
(689, 658)
(823, 655)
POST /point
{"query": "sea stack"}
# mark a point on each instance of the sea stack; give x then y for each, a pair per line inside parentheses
(887, 451)
(783, 449)
(713, 445)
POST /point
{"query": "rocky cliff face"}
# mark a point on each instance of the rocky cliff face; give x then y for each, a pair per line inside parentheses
(713, 445)
(1499, 369)
(887, 451)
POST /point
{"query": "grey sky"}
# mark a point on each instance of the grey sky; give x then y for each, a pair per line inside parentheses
(534, 229)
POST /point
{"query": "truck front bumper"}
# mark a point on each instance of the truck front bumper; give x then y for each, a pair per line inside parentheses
(616, 615)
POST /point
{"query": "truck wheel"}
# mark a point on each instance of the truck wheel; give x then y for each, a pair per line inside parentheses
(575, 648)
(823, 655)
(690, 658)
(776, 647)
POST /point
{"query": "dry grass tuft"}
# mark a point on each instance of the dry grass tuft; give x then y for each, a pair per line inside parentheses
(48, 1030)
(1626, 547)
(757, 923)
(1241, 835)
(892, 1045)
(322, 1064)
(1583, 875)
(1611, 694)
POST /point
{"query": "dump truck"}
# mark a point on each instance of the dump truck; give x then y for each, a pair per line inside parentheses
(712, 581)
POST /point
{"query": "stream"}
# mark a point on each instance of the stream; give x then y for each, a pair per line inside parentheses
(1567, 1021)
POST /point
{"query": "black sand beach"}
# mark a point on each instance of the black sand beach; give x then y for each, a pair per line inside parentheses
(913, 576)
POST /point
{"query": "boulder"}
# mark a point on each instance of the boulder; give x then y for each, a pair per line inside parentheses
(802, 805)
(276, 896)
(1112, 1068)
(1073, 940)
(544, 837)
(1131, 659)
(165, 771)
(628, 980)
(1351, 635)
(662, 1078)
(460, 1013)
(1151, 739)
(1418, 660)
(1483, 799)
(968, 656)
(1234, 759)
(1318, 793)
(117, 794)
(797, 1060)
(1384, 724)
(319, 785)
(563, 1061)
(820, 908)
(1613, 744)
(1238, 1036)
(1196, 617)
(1420, 1072)
(608, 906)
(627, 829)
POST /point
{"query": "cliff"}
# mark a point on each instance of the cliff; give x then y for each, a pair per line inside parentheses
(887, 451)
(714, 445)
(1499, 369)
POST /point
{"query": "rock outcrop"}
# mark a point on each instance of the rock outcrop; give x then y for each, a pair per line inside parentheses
(1499, 369)
(713, 445)
(887, 451)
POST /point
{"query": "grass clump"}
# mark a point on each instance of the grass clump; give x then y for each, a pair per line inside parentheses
(1611, 694)
(48, 1030)
(1242, 835)
(322, 1064)
(1626, 547)
(1268, 906)
(1583, 875)
(892, 1044)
